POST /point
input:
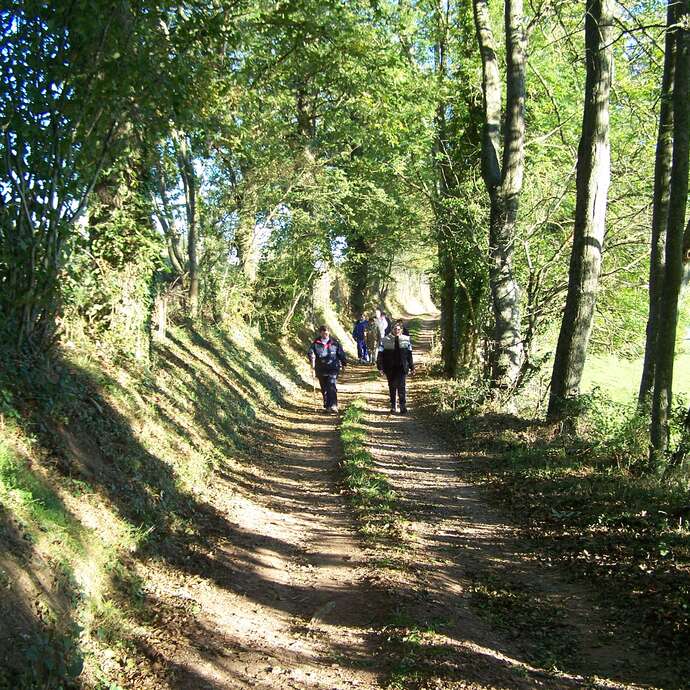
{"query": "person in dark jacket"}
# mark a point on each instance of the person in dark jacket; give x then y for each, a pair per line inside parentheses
(394, 359)
(359, 333)
(327, 359)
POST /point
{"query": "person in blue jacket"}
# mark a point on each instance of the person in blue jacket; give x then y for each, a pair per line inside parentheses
(327, 360)
(359, 333)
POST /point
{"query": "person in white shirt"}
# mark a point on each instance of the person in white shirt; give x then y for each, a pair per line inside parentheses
(382, 325)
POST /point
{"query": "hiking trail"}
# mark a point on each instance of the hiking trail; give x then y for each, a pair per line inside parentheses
(287, 595)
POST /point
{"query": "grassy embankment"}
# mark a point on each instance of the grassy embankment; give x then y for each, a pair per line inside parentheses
(106, 468)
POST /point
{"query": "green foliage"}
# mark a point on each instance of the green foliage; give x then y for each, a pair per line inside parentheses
(317, 135)
(52, 656)
(7, 408)
(615, 432)
(32, 498)
(414, 326)
(590, 501)
(74, 68)
(418, 650)
(458, 398)
(132, 450)
(108, 291)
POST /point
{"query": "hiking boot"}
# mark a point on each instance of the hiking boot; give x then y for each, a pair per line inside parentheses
(403, 410)
(334, 409)
(393, 410)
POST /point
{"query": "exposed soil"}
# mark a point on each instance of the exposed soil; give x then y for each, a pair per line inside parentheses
(287, 595)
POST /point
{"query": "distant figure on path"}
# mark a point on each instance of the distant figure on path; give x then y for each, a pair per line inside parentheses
(327, 359)
(359, 333)
(382, 325)
(394, 359)
(372, 339)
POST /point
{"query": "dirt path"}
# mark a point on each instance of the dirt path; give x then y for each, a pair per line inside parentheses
(287, 596)
(495, 617)
(282, 599)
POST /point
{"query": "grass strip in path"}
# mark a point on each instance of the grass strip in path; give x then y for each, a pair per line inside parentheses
(371, 495)
(412, 648)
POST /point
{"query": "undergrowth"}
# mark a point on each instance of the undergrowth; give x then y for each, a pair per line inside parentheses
(590, 501)
(414, 326)
(420, 652)
(106, 465)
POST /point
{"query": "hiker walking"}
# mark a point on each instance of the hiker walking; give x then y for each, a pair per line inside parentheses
(372, 339)
(359, 333)
(394, 359)
(327, 359)
(382, 325)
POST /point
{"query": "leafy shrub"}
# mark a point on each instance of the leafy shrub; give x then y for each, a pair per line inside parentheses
(459, 398)
(53, 660)
(617, 432)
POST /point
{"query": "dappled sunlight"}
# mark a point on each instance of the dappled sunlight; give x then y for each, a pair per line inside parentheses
(492, 601)
(229, 556)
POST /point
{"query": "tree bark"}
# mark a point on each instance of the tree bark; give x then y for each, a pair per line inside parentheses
(443, 175)
(503, 182)
(448, 305)
(673, 273)
(662, 183)
(186, 167)
(245, 239)
(359, 276)
(593, 175)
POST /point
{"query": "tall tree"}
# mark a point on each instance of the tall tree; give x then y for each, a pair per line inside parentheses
(660, 200)
(442, 188)
(503, 180)
(673, 271)
(59, 109)
(245, 231)
(185, 163)
(592, 183)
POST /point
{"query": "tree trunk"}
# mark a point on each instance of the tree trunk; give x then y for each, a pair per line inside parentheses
(673, 273)
(359, 275)
(448, 304)
(186, 167)
(662, 183)
(443, 175)
(503, 182)
(245, 237)
(593, 175)
(467, 332)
